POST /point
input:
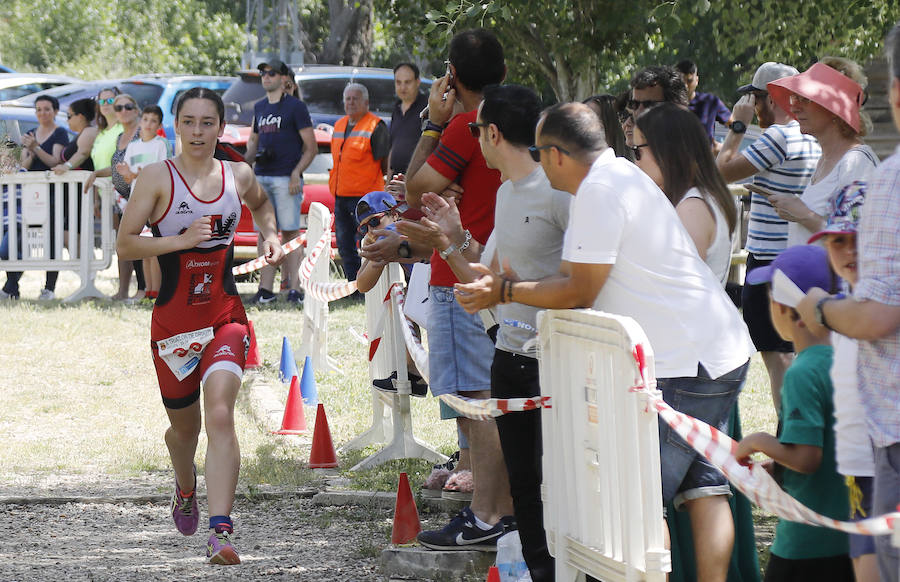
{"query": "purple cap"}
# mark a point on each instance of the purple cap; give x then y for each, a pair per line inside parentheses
(374, 203)
(806, 266)
(845, 211)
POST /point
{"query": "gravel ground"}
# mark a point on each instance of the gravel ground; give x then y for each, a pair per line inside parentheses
(280, 538)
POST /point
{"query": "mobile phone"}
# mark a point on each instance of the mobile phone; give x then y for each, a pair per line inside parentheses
(449, 75)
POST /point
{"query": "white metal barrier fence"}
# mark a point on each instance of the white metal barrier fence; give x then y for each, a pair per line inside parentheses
(602, 490)
(46, 239)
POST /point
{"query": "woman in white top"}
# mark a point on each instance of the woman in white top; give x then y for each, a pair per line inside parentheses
(672, 148)
(826, 100)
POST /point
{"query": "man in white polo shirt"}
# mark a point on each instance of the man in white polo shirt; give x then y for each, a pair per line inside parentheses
(626, 252)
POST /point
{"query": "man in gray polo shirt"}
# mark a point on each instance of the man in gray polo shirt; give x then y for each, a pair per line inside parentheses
(529, 225)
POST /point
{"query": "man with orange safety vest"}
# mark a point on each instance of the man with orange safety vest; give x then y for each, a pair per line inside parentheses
(360, 146)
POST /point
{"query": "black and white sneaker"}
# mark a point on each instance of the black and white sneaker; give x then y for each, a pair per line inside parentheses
(419, 386)
(462, 533)
(262, 297)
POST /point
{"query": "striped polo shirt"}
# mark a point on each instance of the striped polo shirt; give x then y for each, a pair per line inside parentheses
(786, 160)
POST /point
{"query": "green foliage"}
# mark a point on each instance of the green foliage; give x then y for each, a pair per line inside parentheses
(103, 38)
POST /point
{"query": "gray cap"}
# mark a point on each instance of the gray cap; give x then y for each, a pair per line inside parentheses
(766, 73)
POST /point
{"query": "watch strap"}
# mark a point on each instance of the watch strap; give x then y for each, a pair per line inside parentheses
(447, 251)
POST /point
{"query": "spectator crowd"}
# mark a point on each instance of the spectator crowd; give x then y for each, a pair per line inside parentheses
(621, 204)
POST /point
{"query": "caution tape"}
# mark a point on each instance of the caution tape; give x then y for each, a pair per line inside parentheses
(260, 262)
(322, 290)
(488, 408)
(311, 258)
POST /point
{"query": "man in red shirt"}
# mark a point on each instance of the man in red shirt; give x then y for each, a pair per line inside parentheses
(448, 159)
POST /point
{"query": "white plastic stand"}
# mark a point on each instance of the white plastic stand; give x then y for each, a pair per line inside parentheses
(314, 335)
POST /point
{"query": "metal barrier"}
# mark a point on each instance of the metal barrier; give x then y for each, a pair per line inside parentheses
(391, 414)
(49, 202)
(602, 490)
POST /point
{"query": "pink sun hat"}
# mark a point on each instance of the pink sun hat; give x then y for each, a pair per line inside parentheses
(823, 86)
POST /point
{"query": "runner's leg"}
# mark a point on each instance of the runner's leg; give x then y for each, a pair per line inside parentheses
(223, 458)
(181, 439)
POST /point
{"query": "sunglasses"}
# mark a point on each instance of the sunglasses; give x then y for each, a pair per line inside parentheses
(475, 128)
(373, 222)
(126, 107)
(637, 151)
(624, 116)
(795, 99)
(109, 101)
(635, 104)
(270, 73)
(536, 151)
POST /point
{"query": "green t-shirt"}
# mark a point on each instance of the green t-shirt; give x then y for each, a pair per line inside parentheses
(807, 416)
(105, 146)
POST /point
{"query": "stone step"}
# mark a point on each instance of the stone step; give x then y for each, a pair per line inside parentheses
(417, 564)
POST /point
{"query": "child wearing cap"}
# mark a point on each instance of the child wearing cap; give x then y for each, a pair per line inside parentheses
(378, 210)
(805, 445)
(855, 459)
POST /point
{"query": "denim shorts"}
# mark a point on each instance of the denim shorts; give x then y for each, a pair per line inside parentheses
(686, 474)
(287, 205)
(459, 350)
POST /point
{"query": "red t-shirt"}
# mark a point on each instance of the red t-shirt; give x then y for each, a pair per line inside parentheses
(458, 158)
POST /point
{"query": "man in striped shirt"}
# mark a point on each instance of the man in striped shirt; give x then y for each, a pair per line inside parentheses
(781, 161)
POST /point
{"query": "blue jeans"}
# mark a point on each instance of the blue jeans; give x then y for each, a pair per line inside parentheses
(886, 496)
(686, 474)
(345, 226)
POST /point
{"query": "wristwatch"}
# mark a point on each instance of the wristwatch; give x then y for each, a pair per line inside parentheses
(428, 125)
(738, 126)
(448, 251)
(820, 314)
(404, 251)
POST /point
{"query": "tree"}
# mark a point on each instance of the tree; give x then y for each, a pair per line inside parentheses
(350, 41)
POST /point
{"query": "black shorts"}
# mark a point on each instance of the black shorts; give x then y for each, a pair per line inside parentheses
(755, 306)
(830, 569)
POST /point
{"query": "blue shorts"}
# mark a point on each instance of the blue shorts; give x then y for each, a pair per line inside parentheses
(687, 475)
(287, 205)
(459, 350)
(860, 545)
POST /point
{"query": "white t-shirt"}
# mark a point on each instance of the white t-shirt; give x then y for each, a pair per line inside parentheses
(620, 217)
(140, 153)
(857, 164)
(853, 448)
(718, 255)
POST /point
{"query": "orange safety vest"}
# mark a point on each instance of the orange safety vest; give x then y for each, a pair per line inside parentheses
(355, 171)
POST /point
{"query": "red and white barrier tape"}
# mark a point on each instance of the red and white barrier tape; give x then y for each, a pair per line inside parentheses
(309, 261)
(485, 409)
(260, 262)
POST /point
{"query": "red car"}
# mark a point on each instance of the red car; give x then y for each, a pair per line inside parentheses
(232, 146)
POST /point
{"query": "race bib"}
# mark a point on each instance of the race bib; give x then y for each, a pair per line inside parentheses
(182, 352)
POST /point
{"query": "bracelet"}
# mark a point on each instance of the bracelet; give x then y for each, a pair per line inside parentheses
(509, 291)
(432, 134)
(431, 126)
(504, 284)
(468, 241)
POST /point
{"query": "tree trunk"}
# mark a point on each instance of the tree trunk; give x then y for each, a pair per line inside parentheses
(350, 41)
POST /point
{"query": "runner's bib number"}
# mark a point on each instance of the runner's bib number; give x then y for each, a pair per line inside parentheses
(182, 352)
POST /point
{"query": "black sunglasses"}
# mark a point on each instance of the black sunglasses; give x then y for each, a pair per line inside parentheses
(637, 150)
(475, 128)
(126, 107)
(270, 73)
(635, 104)
(370, 224)
(536, 151)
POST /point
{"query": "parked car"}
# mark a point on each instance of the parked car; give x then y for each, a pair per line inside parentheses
(321, 88)
(315, 187)
(66, 94)
(15, 85)
(4, 69)
(17, 121)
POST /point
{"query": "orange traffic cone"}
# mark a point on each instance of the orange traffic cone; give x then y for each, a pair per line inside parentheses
(406, 516)
(493, 574)
(252, 360)
(322, 455)
(294, 421)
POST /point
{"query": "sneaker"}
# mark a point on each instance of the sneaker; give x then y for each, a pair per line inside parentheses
(220, 550)
(295, 297)
(262, 297)
(184, 509)
(46, 295)
(419, 386)
(462, 533)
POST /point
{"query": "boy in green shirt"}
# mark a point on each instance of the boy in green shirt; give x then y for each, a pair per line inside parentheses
(805, 443)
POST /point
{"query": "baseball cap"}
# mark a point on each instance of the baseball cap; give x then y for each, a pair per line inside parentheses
(794, 272)
(845, 211)
(374, 203)
(765, 74)
(824, 86)
(276, 65)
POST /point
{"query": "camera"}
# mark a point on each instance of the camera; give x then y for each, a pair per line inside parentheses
(264, 156)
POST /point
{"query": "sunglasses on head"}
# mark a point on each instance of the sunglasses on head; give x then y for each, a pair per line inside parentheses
(637, 151)
(475, 128)
(535, 151)
(126, 107)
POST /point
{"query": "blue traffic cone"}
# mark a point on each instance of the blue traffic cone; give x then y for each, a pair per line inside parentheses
(308, 384)
(288, 368)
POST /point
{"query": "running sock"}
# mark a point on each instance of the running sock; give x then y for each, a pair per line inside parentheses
(221, 523)
(481, 524)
